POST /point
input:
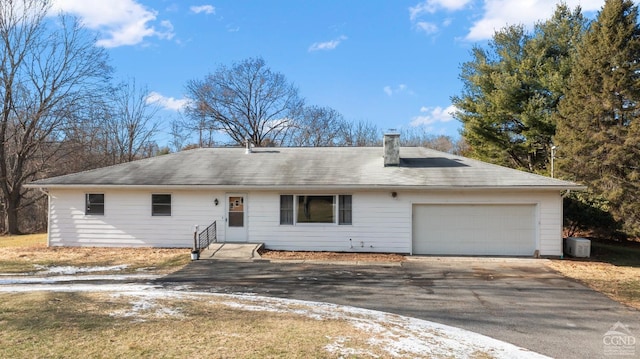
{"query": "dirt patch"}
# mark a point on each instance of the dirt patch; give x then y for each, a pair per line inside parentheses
(332, 256)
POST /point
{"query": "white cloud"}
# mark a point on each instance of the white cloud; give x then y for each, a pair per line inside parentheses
(427, 27)
(168, 32)
(431, 115)
(390, 91)
(168, 103)
(431, 6)
(328, 45)
(121, 22)
(207, 9)
(500, 13)
(491, 15)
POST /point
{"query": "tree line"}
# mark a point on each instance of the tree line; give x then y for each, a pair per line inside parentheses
(62, 112)
(248, 101)
(568, 88)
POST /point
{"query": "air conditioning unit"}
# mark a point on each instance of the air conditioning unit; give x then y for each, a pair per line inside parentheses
(577, 247)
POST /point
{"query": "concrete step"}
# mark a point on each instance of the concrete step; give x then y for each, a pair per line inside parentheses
(232, 251)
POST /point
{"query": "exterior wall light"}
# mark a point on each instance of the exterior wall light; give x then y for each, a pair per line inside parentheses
(215, 201)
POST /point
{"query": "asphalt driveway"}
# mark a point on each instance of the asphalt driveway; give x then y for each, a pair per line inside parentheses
(520, 301)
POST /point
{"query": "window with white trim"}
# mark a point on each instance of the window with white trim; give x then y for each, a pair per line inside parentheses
(161, 205)
(304, 209)
(344, 209)
(94, 204)
(286, 209)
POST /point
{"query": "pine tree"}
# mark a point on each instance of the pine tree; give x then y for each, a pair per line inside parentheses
(512, 89)
(598, 129)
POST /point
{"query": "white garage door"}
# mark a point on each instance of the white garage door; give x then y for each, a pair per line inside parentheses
(474, 229)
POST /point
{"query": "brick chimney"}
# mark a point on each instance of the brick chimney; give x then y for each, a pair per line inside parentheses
(391, 144)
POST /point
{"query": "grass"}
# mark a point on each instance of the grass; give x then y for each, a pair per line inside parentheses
(27, 240)
(98, 325)
(24, 253)
(613, 269)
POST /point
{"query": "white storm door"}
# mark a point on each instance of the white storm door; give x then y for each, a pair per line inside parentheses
(236, 226)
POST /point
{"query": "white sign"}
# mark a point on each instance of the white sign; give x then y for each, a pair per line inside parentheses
(618, 341)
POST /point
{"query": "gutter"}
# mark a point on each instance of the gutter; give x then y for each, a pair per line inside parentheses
(370, 187)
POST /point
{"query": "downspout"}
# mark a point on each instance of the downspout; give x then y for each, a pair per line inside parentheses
(562, 196)
(46, 192)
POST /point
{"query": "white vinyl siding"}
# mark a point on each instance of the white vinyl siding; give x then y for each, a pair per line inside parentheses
(128, 221)
(381, 223)
(378, 225)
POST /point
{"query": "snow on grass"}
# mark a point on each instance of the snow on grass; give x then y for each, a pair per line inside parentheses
(73, 287)
(31, 280)
(145, 305)
(57, 270)
(338, 347)
(396, 335)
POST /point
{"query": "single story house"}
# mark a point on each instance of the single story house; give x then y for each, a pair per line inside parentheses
(390, 199)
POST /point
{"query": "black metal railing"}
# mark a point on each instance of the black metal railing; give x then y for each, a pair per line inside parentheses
(208, 236)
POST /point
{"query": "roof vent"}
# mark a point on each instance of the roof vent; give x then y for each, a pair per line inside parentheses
(391, 144)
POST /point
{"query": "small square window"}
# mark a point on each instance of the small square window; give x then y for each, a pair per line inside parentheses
(94, 203)
(160, 204)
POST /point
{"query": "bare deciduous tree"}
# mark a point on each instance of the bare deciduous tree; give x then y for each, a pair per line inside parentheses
(131, 124)
(246, 100)
(417, 136)
(45, 69)
(360, 133)
(318, 126)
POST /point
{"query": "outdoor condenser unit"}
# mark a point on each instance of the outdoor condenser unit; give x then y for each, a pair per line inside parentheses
(577, 247)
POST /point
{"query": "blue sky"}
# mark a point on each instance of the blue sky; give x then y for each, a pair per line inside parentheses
(394, 63)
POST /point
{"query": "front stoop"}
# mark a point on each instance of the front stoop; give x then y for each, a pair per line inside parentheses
(232, 251)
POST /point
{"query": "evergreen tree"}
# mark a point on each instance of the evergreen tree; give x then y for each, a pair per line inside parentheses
(598, 125)
(512, 89)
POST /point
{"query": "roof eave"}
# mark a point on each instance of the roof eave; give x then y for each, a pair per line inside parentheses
(573, 187)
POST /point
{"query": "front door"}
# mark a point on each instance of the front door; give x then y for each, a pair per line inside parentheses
(236, 230)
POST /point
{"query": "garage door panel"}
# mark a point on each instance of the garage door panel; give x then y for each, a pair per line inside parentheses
(474, 229)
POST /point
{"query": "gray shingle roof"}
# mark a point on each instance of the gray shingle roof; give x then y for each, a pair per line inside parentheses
(330, 167)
